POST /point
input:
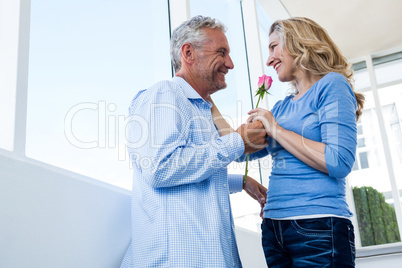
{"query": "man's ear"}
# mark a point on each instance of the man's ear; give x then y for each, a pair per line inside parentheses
(188, 53)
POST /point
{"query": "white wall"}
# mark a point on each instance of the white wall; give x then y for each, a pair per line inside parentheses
(250, 248)
(51, 218)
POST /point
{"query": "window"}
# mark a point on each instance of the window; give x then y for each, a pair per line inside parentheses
(391, 102)
(87, 61)
(388, 69)
(362, 80)
(372, 175)
(8, 70)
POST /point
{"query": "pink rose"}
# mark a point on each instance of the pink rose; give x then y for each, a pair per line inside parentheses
(265, 82)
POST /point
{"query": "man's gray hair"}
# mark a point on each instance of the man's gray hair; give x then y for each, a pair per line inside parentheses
(191, 31)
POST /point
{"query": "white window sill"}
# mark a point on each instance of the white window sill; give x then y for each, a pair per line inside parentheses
(378, 250)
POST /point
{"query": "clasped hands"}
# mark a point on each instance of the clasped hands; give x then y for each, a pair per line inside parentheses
(260, 124)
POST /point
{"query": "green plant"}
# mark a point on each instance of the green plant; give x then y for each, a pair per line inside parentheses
(376, 218)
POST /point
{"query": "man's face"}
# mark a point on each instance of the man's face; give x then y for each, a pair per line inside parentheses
(213, 61)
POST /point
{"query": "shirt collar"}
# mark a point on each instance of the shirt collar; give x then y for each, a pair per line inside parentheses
(188, 90)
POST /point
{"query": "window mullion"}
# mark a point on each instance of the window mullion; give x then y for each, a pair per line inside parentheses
(22, 78)
(385, 143)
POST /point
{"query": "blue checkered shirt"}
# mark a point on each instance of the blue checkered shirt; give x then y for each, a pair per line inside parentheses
(181, 215)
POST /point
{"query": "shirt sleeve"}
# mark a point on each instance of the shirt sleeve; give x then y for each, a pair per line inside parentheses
(171, 156)
(257, 155)
(235, 183)
(337, 112)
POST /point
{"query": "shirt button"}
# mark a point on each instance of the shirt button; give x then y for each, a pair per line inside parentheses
(226, 210)
(233, 264)
(224, 185)
(228, 236)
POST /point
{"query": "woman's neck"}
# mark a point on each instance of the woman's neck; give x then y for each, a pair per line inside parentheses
(304, 83)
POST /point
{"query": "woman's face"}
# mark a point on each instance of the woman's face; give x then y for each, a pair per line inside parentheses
(280, 59)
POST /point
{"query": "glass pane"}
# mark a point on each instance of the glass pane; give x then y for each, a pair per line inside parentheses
(362, 80)
(388, 72)
(86, 65)
(278, 90)
(8, 68)
(235, 101)
(376, 216)
(370, 181)
(391, 102)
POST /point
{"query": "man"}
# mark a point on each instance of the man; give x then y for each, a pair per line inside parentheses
(181, 215)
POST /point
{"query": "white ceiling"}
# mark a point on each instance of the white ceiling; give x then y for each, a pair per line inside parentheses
(358, 27)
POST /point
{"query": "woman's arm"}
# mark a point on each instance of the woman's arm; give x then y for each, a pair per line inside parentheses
(220, 122)
(310, 152)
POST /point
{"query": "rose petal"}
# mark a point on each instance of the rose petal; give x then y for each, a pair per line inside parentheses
(268, 82)
(261, 81)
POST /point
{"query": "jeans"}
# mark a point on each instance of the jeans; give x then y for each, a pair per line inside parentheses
(319, 242)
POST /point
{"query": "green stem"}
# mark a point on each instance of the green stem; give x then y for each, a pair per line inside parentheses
(248, 156)
(259, 98)
(245, 175)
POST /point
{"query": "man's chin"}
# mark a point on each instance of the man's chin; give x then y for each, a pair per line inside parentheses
(222, 86)
(218, 89)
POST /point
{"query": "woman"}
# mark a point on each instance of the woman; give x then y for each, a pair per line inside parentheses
(312, 141)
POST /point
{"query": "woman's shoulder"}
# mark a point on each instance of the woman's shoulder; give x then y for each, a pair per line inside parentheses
(280, 105)
(283, 102)
(331, 81)
(334, 75)
(333, 86)
(333, 78)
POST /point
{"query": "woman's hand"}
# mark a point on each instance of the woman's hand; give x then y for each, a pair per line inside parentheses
(267, 118)
(310, 152)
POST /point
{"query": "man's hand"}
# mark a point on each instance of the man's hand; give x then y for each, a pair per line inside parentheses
(254, 136)
(256, 191)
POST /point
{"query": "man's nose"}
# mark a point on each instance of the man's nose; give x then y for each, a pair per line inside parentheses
(229, 63)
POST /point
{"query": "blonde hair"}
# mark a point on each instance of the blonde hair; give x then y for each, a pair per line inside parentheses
(314, 51)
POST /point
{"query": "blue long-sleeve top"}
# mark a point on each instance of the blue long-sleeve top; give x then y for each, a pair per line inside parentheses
(325, 113)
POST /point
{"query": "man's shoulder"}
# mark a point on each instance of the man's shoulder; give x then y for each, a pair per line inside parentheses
(161, 90)
(162, 87)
